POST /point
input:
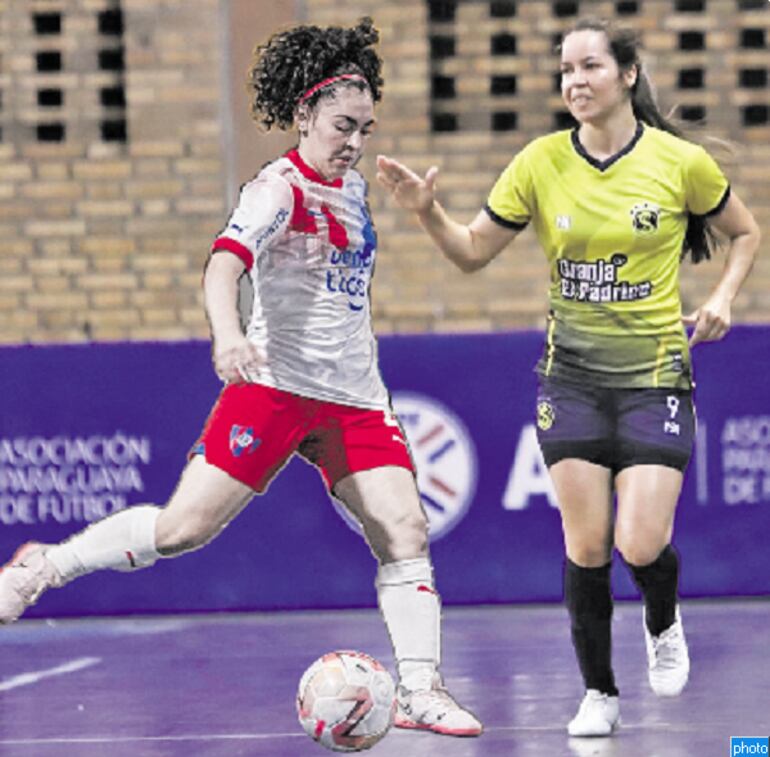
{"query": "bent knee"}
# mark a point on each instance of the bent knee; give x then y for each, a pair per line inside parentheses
(403, 539)
(640, 548)
(641, 554)
(589, 550)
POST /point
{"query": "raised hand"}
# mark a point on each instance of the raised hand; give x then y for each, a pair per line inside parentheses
(407, 188)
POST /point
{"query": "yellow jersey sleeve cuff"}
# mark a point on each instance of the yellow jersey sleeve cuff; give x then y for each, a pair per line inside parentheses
(516, 225)
(721, 204)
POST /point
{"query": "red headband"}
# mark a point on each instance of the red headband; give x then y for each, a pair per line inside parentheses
(326, 82)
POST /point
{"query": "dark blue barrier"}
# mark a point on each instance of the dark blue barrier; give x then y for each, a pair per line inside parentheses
(86, 430)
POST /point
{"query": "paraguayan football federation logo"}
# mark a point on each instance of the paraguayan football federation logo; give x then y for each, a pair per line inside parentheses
(645, 217)
(444, 457)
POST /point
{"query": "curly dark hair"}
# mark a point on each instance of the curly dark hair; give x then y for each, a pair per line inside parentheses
(293, 61)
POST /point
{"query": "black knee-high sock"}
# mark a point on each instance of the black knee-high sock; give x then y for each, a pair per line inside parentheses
(658, 582)
(589, 601)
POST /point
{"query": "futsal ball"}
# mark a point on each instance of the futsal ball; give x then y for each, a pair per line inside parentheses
(346, 701)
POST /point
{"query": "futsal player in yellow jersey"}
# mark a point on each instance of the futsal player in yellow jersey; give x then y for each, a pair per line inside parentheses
(613, 236)
(616, 203)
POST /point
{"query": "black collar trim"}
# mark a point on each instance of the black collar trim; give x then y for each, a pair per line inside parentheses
(603, 165)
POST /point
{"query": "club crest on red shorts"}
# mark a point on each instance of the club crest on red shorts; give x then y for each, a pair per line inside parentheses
(242, 440)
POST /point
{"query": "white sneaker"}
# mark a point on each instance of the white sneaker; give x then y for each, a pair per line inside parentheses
(598, 715)
(667, 658)
(434, 710)
(24, 578)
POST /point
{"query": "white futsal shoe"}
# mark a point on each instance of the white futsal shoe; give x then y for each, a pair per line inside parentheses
(434, 710)
(24, 578)
(667, 658)
(598, 715)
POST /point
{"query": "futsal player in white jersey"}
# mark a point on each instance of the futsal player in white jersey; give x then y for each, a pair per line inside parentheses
(303, 378)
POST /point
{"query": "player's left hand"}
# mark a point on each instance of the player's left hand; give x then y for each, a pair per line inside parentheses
(711, 321)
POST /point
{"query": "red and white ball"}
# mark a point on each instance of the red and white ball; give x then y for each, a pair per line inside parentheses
(346, 701)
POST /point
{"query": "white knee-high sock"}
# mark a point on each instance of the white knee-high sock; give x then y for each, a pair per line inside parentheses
(411, 608)
(124, 541)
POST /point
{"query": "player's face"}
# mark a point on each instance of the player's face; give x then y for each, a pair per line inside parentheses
(592, 85)
(336, 132)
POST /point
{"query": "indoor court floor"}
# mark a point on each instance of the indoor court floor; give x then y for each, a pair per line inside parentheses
(224, 685)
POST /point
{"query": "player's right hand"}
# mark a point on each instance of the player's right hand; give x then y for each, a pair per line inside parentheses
(237, 360)
(409, 190)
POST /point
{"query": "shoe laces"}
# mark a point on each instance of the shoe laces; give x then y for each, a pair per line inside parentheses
(434, 701)
(591, 700)
(668, 646)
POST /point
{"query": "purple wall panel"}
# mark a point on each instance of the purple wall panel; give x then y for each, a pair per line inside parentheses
(88, 429)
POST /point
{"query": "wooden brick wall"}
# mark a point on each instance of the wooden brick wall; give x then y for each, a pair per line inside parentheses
(415, 288)
(105, 231)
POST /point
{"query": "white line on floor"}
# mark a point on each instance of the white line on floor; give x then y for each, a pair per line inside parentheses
(128, 739)
(25, 679)
(204, 737)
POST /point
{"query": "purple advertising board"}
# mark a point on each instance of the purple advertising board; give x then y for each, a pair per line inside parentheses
(88, 430)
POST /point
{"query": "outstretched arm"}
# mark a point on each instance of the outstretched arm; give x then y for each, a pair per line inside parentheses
(712, 319)
(235, 357)
(469, 247)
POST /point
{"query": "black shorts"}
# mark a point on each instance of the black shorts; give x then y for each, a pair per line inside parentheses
(616, 428)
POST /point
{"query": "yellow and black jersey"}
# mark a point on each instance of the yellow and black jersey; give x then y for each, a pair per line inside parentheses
(612, 231)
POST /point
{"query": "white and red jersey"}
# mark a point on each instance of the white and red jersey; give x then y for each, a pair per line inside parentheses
(309, 247)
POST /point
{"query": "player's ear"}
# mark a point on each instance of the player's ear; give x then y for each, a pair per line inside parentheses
(302, 118)
(631, 76)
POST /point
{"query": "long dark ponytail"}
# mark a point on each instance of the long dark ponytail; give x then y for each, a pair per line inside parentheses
(624, 45)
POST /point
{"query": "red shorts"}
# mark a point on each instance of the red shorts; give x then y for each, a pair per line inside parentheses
(253, 430)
